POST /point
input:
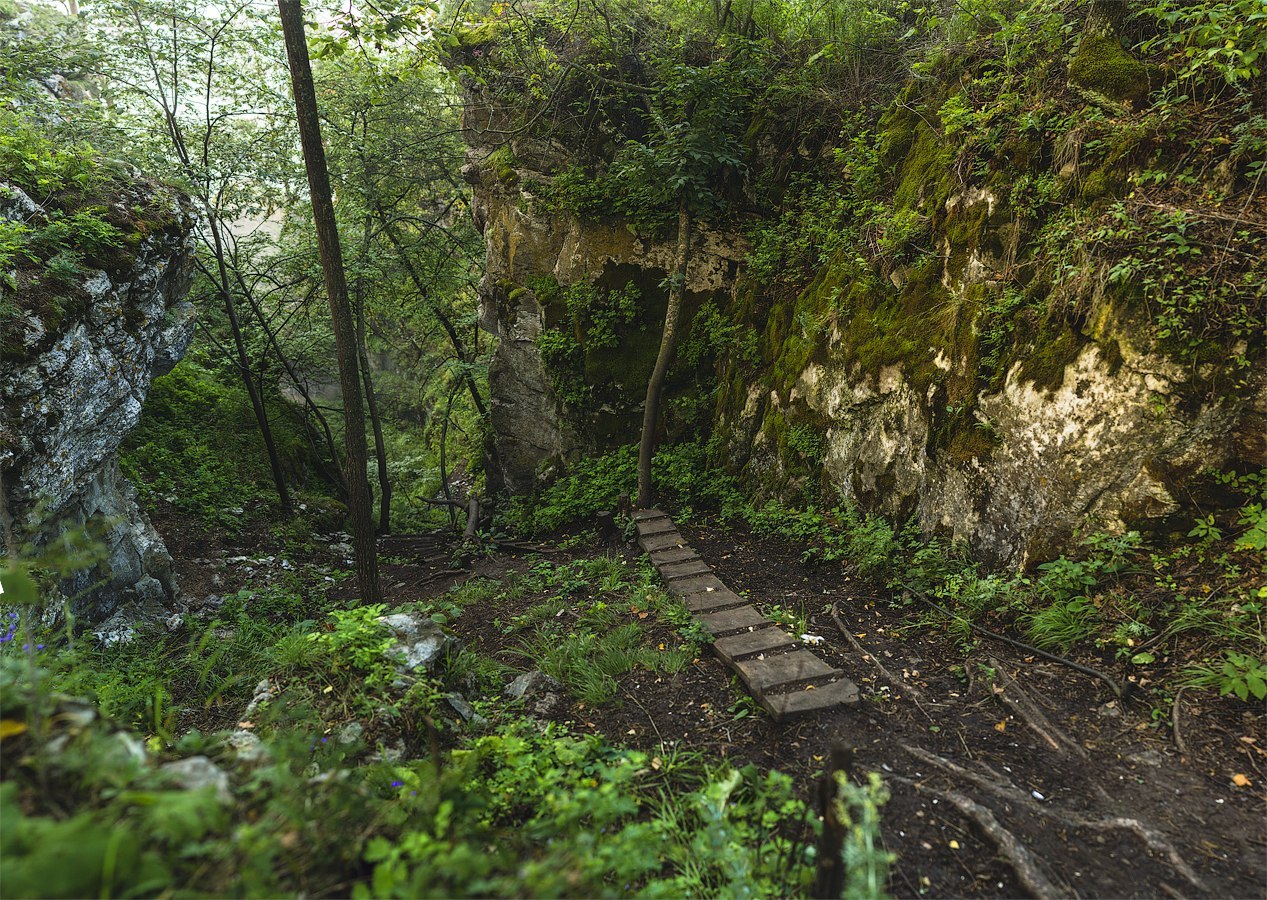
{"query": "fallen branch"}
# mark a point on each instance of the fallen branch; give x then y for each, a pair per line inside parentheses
(472, 518)
(524, 548)
(1023, 862)
(1149, 836)
(993, 782)
(1029, 648)
(1021, 704)
(900, 685)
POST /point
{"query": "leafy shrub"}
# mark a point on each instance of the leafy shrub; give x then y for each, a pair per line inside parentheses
(1239, 674)
(212, 473)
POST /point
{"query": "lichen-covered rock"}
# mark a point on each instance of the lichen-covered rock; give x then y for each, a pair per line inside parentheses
(1110, 446)
(72, 392)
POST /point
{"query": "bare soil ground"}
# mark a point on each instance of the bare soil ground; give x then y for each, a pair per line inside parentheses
(1010, 775)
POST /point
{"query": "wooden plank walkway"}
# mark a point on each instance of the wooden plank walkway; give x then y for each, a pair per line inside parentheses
(784, 678)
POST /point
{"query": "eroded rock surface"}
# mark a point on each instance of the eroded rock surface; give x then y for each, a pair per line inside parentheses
(72, 392)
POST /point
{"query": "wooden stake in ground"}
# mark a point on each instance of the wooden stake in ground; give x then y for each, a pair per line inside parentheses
(337, 290)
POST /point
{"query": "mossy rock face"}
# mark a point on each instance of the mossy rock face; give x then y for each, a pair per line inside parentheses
(1101, 65)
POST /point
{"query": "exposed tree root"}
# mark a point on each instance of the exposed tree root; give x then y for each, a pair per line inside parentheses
(1014, 697)
(1022, 861)
(1002, 787)
(913, 692)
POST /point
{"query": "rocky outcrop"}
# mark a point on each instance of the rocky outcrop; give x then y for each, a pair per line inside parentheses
(72, 388)
(1110, 447)
(994, 373)
(533, 428)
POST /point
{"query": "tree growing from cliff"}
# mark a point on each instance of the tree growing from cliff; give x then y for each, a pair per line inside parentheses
(345, 335)
(695, 114)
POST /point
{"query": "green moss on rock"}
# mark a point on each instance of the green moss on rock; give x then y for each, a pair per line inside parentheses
(1103, 66)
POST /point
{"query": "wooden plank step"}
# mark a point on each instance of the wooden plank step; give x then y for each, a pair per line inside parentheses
(730, 621)
(648, 527)
(689, 569)
(672, 555)
(640, 514)
(777, 671)
(699, 584)
(753, 643)
(709, 601)
(666, 541)
(784, 706)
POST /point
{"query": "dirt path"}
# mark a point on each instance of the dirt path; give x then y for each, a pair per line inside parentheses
(1010, 776)
(1094, 789)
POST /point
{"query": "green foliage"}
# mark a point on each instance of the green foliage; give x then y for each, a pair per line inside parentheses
(580, 631)
(1064, 623)
(525, 809)
(866, 862)
(585, 818)
(212, 473)
(358, 640)
(44, 167)
(564, 361)
(1225, 39)
(1239, 674)
(64, 178)
(1101, 64)
(715, 335)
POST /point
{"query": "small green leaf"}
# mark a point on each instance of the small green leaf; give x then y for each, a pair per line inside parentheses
(17, 586)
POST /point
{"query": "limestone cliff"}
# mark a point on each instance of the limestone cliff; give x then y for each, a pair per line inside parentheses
(531, 255)
(73, 383)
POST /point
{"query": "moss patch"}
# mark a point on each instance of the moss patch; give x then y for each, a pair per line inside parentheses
(1101, 65)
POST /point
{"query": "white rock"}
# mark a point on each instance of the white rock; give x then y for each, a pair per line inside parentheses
(196, 772)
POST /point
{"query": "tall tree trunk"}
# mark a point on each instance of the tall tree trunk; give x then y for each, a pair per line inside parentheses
(668, 342)
(371, 398)
(376, 423)
(244, 367)
(380, 447)
(337, 292)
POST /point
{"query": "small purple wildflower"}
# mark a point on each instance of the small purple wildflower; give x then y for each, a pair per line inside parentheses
(398, 784)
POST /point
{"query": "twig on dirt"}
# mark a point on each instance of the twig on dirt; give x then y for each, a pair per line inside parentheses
(1003, 788)
(1175, 710)
(914, 692)
(1029, 648)
(630, 694)
(1020, 703)
(1171, 892)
